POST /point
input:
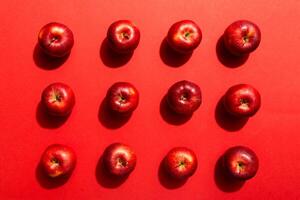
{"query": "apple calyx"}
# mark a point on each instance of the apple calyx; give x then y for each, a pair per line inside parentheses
(244, 104)
(125, 36)
(55, 161)
(122, 162)
(184, 97)
(245, 39)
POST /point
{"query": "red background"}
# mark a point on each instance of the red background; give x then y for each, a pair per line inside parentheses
(273, 69)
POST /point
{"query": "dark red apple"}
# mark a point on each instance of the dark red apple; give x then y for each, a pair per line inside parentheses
(56, 39)
(240, 162)
(123, 36)
(184, 36)
(180, 163)
(184, 97)
(122, 98)
(58, 99)
(242, 37)
(119, 159)
(58, 160)
(242, 100)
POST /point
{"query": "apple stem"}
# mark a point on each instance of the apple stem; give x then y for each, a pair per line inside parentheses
(187, 34)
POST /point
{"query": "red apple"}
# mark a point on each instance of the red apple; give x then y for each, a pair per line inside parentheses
(119, 159)
(184, 97)
(242, 37)
(123, 36)
(122, 98)
(58, 99)
(180, 163)
(240, 162)
(242, 100)
(58, 160)
(56, 39)
(184, 36)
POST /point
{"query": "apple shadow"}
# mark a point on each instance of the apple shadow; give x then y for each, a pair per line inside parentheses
(45, 61)
(166, 180)
(47, 182)
(223, 181)
(171, 57)
(47, 121)
(170, 116)
(227, 121)
(111, 119)
(228, 59)
(112, 59)
(105, 179)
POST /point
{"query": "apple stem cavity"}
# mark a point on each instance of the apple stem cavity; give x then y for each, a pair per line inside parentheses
(54, 39)
(122, 99)
(56, 97)
(181, 164)
(240, 166)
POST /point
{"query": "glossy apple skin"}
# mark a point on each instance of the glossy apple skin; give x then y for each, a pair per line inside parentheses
(184, 97)
(122, 98)
(240, 162)
(56, 39)
(119, 159)
(242, 100)
(184, 36)
(58, 160)
(242, 37)
(180, 163)
(58, 99)
(123, 36)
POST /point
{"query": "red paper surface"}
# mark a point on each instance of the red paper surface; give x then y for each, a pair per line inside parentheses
(273, 133)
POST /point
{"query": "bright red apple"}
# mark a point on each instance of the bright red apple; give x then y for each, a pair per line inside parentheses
(58, 99)
(119, 159)
(180, 163)
(58, 160)
(184, 97)
(122, 98)
(56, 39)
(242, 100)
(123, 36)
(240, 162)
(242, 37)
(184, 36)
